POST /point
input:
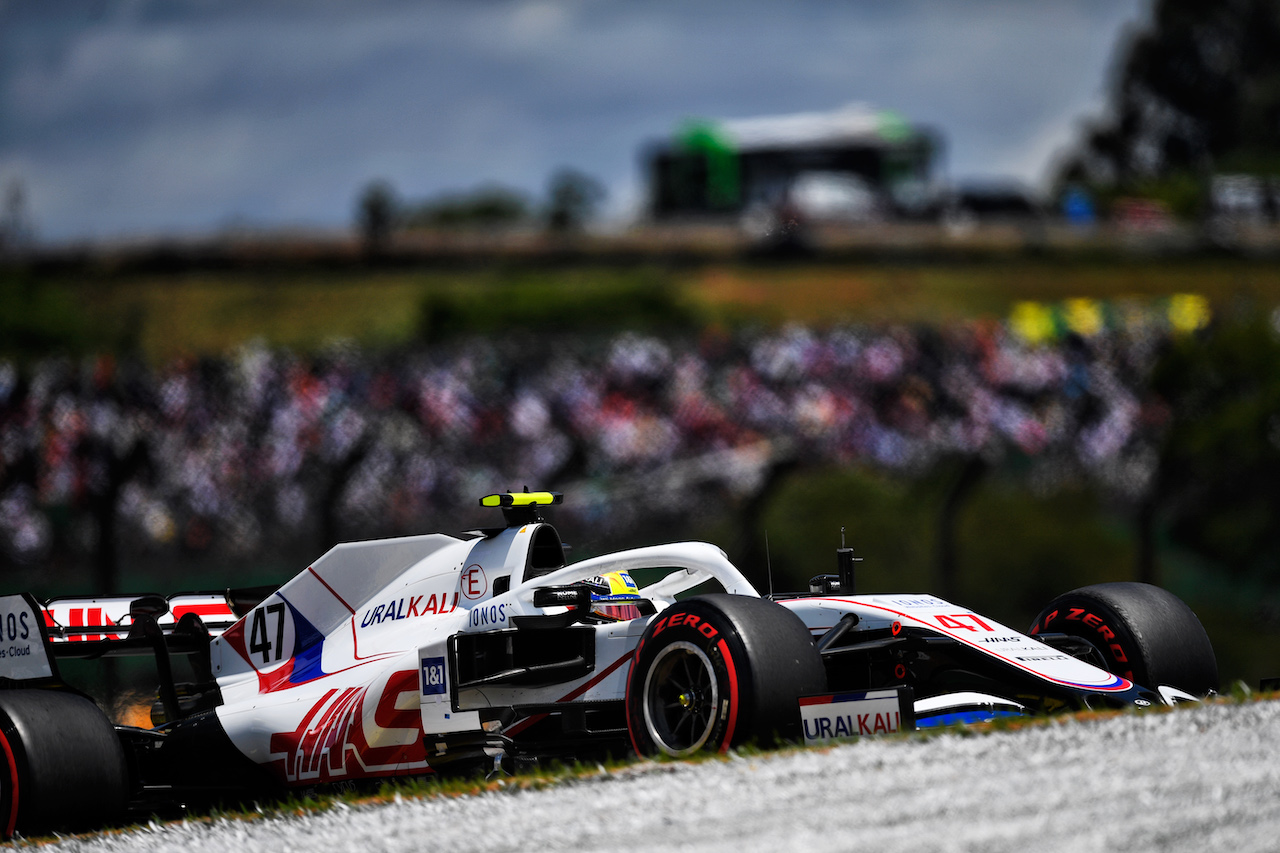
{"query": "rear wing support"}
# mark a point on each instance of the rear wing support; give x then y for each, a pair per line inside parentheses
(189, 629)
(125, 626)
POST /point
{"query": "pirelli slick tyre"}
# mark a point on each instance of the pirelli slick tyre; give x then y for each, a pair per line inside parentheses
(718, 671)
(1144, 633)
(62, 764)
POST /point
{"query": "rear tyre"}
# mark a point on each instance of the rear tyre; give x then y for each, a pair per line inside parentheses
(61, 764)
(718, 671)
(1144, 633)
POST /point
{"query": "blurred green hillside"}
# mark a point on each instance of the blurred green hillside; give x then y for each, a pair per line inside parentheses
(189, 312)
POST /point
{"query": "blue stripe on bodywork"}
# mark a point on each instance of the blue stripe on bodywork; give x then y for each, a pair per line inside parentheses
(958, 718)
(309, 643)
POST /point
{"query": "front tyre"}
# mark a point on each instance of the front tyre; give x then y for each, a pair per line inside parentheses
(1144, 633)
(718, 671)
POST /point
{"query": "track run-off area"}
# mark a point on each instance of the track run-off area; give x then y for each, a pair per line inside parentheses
(1195, 778)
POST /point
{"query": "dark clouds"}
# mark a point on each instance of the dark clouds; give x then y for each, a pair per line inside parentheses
(141, 117)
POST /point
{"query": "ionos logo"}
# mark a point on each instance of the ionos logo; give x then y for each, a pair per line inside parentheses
(16, 626)
(22, 653)
(494, 614)
(916, 602)
(14, 629)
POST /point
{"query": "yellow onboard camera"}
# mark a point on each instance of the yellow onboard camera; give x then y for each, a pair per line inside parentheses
(523, 499)
(519, 508)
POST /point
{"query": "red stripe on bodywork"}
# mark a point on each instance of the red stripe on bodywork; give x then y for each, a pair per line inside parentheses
(608, 671)
(571, 695)
(332, 591)
(276, 679)
(1124, 684)
(201, 610)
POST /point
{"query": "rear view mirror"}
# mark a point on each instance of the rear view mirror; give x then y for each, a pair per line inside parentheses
(577, 597)
(562, 596)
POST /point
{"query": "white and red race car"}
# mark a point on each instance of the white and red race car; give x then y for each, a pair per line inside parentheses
(484, 651)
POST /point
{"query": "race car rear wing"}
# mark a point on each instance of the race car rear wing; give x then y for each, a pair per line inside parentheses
(97, 620)
(91, 628)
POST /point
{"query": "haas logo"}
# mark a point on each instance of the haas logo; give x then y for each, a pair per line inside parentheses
(344, 735)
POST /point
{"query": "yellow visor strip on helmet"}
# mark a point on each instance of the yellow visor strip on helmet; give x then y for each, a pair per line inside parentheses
(522, 499)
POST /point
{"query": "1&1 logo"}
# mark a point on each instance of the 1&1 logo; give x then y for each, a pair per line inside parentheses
(434, 681)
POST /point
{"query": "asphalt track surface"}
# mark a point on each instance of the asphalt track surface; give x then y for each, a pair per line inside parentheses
(1205, 778)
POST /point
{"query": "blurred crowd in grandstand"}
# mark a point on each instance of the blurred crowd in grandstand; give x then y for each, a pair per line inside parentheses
(262, 449)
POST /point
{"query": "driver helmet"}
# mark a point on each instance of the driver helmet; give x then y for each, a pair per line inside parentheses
(621, 602)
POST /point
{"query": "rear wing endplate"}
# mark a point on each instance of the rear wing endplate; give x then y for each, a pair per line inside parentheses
(25, 654)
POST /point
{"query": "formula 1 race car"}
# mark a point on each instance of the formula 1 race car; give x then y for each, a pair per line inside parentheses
(485, 652)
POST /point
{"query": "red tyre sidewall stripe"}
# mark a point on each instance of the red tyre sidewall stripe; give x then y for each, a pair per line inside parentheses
(733, 695)
(13, 783)
(626, 699)
(1111, 639)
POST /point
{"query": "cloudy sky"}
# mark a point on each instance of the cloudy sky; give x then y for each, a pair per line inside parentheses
(144, 117)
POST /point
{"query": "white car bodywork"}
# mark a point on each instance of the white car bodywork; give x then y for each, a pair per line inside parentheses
(346, 671)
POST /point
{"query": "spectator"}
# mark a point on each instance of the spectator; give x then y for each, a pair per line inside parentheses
(250, 452)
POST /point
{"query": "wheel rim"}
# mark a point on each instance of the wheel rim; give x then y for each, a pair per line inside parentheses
(680, 699)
